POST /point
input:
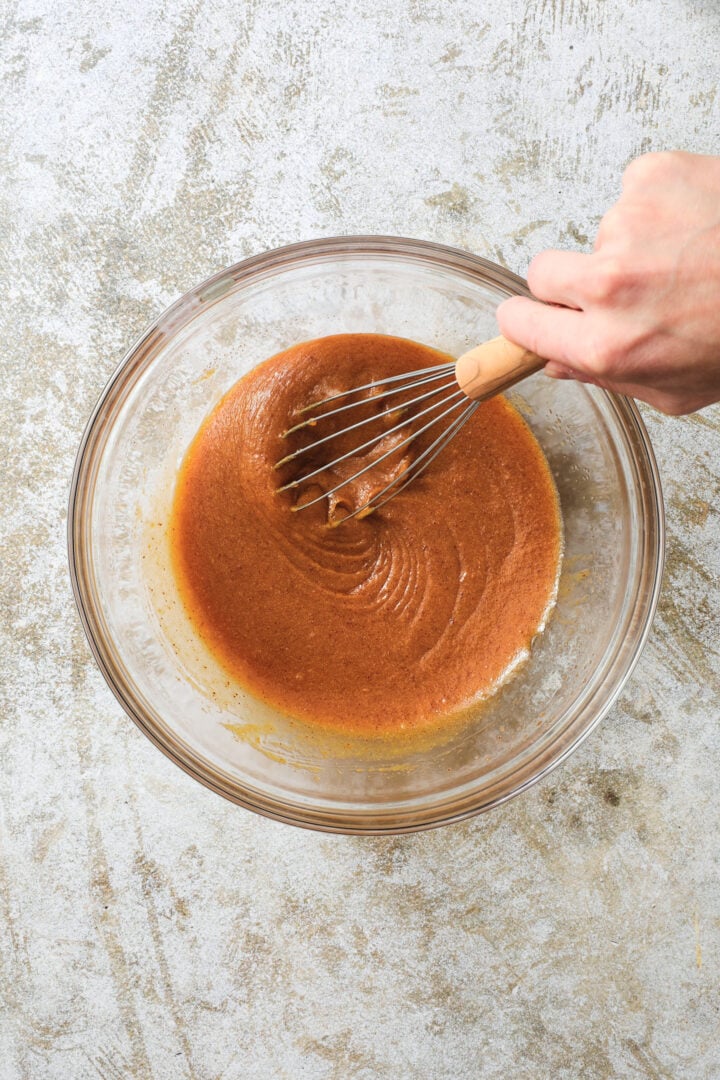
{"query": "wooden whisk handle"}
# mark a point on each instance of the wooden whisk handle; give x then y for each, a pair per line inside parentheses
(493, 367)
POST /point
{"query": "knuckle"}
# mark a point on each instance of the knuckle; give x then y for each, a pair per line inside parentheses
(642, 167)
(510, 315)
(538, 272)
(602, 354)
(608, 281)
(610, 227)
(650, 166)
(671, 160)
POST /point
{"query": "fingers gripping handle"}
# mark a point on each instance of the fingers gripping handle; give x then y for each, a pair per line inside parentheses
(493, 367)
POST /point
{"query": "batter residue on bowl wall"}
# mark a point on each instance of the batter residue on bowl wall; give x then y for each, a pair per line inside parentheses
(390, 622)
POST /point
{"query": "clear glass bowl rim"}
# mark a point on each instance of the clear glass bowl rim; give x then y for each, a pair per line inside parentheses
(141, 353)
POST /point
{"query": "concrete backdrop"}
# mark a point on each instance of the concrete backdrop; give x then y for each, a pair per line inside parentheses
(147, 928)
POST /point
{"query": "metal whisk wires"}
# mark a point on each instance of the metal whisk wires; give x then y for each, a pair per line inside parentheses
(437, 382)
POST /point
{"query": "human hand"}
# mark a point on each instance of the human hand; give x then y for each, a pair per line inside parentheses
(641, 315)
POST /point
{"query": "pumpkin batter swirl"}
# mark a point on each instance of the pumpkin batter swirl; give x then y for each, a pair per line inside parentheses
(393, 621)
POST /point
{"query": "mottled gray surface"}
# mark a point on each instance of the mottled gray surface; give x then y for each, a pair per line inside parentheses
(148, 928)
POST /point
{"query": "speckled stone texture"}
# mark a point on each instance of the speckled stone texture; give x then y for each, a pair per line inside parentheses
(148, 928)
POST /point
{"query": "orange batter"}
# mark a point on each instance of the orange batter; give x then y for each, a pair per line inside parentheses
(393, 621)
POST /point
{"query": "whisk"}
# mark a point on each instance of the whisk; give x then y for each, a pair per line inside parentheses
(448, 392)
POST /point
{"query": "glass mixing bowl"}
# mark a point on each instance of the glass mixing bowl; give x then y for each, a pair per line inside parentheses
(122, 489)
